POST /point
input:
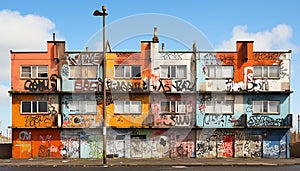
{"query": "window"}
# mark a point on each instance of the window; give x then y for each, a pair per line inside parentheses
(220, 71)
(219, 107)
(34, 107)
(266, 71)
(83, 107)
(126, 71)
(83, 72)
(266, 107)
(127, 107)
(173, 107)
(34, 71)
(174, 71)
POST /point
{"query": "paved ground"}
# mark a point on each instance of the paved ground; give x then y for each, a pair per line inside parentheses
(147, 162)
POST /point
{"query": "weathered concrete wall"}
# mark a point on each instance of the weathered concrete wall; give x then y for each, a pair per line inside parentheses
(145, 143)
(250, 143)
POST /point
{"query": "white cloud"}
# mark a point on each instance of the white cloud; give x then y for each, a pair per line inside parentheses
(21, 33)
(18, 33)
(278, 38)
(4, 96)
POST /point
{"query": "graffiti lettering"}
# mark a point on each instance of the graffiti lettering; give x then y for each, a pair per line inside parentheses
(109, 99)
(175, 56)
(86, 85)
(173, 120)
(24, 135)
(261, 120)
(179, 85)
(85, 59)
(113, 85)
(265, 56)
(41, 84)
(37, 120)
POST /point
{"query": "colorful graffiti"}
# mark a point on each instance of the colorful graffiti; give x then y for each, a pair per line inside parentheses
(261, 120)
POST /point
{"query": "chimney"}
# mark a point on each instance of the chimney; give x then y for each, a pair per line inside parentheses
(155, 38)
(86, 49)
(244, 49)
(162, 47)
(53, 36)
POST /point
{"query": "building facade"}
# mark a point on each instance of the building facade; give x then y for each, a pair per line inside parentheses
(159, 104)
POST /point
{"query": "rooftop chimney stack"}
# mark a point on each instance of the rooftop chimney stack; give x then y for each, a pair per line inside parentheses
(162, 47)
(155, 38)
(53, 36)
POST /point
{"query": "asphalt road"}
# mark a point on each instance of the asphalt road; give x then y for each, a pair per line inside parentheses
(158, 168)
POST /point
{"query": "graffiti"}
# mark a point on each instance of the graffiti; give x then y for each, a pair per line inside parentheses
(65, 70)
(86, 85)
(178, 85)
(109, 99)
(173, 120)
(51, 110)
(260, 120)
(283, 71)
(43, 151)
(232, 86)
(113, 85)
(45, 138)
(85, 59)
(42, 84)
(227, 146)
(24, 135)
(207, 148)
(251, 85)
(215, 119)
(37, 120)
(174, 56)
(72, 145)
(265, 56)
(211, 59)
(271, 149)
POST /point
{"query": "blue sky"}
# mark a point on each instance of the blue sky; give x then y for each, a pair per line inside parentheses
(27, 25)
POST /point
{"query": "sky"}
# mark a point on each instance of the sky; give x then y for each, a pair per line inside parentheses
(27, 25)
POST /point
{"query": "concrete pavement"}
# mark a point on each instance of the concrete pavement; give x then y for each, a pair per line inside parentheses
(146, 162)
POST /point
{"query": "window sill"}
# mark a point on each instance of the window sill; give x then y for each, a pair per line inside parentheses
(266, 113)
(37, 113)
(127, 78)
(127, 113)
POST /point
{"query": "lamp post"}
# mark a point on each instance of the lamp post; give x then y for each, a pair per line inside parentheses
(103, 14)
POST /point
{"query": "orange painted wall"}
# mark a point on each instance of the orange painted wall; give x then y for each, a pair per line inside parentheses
(125, 92)
(47, 120)
(245, 57)
(33, 143)
(19, 59)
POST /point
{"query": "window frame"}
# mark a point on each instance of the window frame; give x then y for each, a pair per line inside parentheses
(80, 104)
(263, 103)
(170, 69)
(31, 73)
(32, 106)
(222, 104)
(84, 70)
(176, 106)
(129, 112)
(266, 67)
(124, 76)
(217, 70)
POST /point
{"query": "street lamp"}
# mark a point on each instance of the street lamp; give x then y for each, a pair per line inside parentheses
(103, 14)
